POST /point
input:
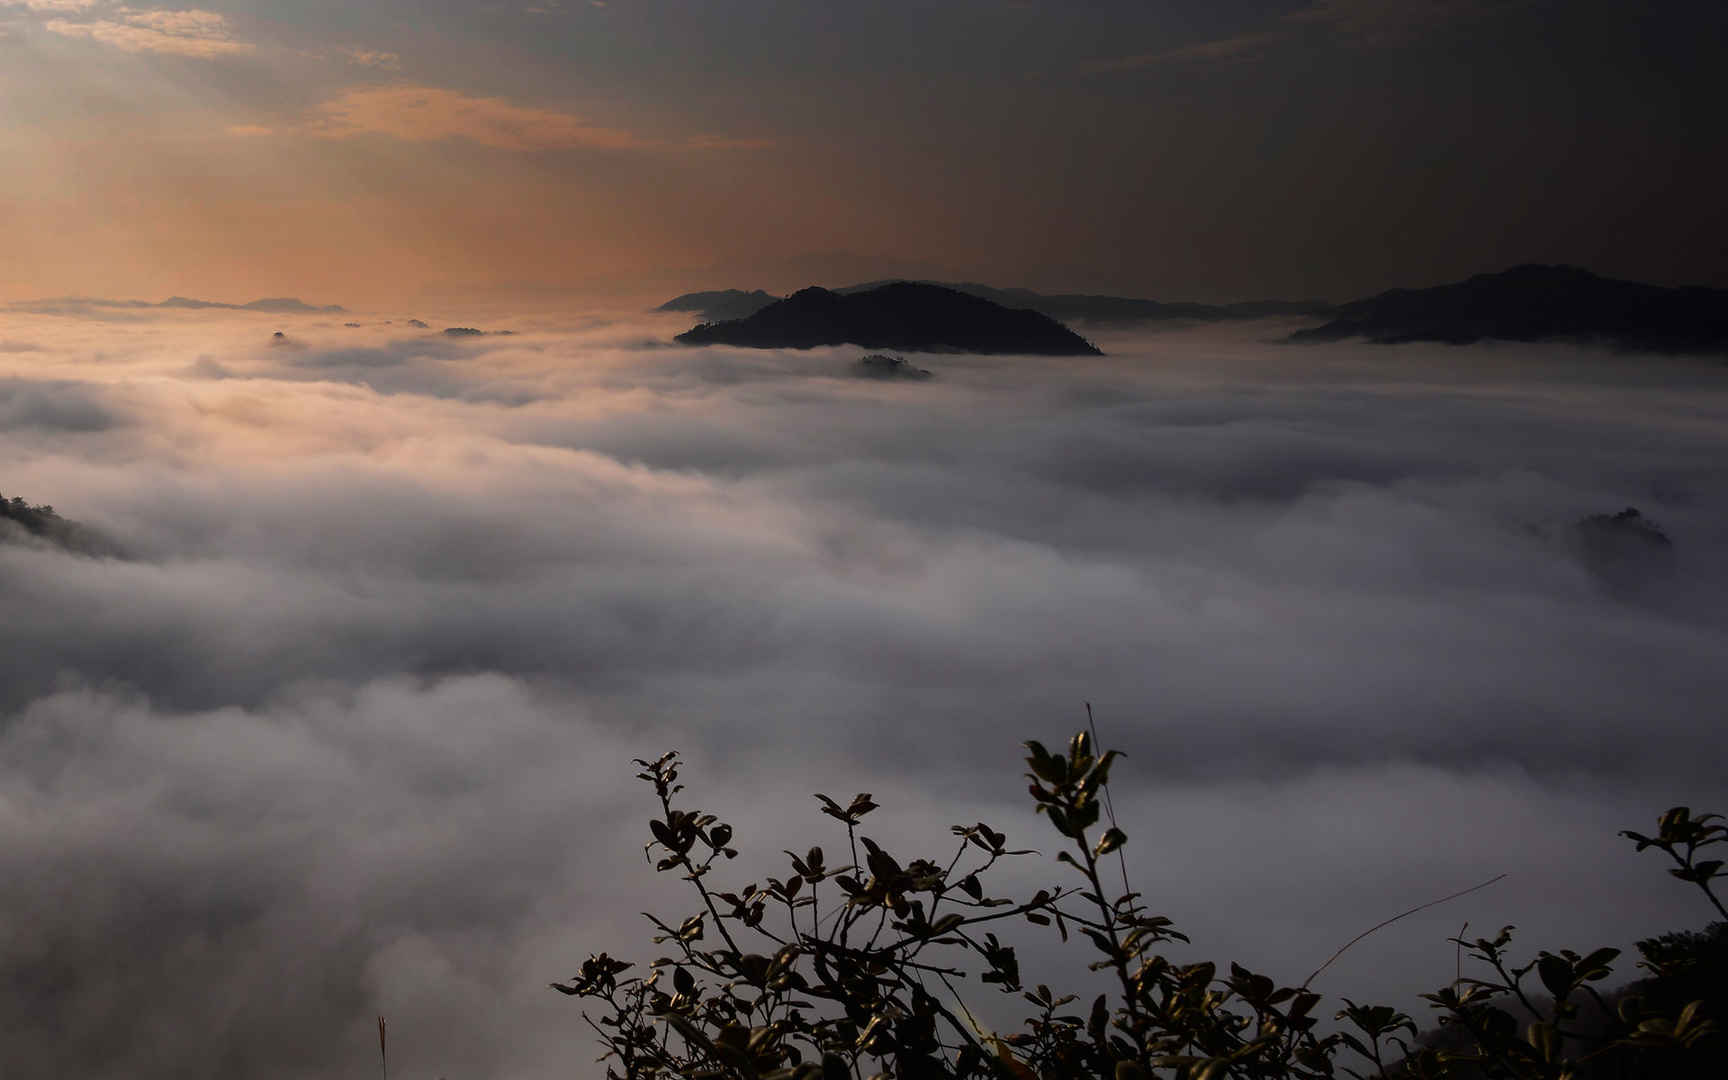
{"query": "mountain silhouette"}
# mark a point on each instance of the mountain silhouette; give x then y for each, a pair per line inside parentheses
(1087, 307)
(722, 304)
(276, 305)
(1539, 303)
(904, 315)
(289, 305)
(718, 305)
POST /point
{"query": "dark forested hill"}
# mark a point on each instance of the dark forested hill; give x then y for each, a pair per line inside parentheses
(1539, 303)
(717, 305)
(901, 315)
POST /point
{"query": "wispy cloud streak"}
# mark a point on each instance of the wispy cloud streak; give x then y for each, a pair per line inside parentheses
(192, 32)
(1363, 23)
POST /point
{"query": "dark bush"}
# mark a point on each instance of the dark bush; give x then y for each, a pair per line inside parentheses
(851, 968)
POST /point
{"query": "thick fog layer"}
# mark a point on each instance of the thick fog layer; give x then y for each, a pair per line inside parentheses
(345, 730)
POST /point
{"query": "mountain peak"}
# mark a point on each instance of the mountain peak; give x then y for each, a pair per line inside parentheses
(1536, 302)
(905, 316)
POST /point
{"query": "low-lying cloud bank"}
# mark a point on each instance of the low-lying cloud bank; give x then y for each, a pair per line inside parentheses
(343, 732)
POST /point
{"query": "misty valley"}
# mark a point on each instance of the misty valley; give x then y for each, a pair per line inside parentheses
(331, 638)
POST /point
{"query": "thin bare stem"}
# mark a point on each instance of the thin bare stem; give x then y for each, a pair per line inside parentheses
(1110, 811)
(1402, 914)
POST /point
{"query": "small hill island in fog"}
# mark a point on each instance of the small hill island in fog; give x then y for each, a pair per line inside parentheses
(1539, 303)
(901, 315)
(23, 522)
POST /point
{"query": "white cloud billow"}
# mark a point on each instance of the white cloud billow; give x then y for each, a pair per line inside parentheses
(346, 732)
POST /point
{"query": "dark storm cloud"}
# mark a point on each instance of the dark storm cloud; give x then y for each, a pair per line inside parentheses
(345, 736)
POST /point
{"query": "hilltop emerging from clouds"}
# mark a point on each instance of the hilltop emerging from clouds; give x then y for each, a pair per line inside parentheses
(722, 304)
(1539, 303)
(903, 315)
(1527, 303)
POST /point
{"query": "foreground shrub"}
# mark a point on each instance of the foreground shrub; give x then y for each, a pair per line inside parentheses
(854, 967)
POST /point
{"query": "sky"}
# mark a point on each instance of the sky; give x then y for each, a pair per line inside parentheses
(336, 721)
(530, 153)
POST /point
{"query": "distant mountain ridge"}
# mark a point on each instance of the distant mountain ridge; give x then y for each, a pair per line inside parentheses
(718, 305)
(1089, 307)
(908, 316)
(278, 305)
(275, 305)
(1527, 303)
(721, 304)
(1539, 303)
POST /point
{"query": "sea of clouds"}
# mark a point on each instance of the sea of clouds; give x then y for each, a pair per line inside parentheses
(345, 731)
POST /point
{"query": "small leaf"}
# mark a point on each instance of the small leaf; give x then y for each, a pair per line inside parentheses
(1112, 839)
(1555, 973)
